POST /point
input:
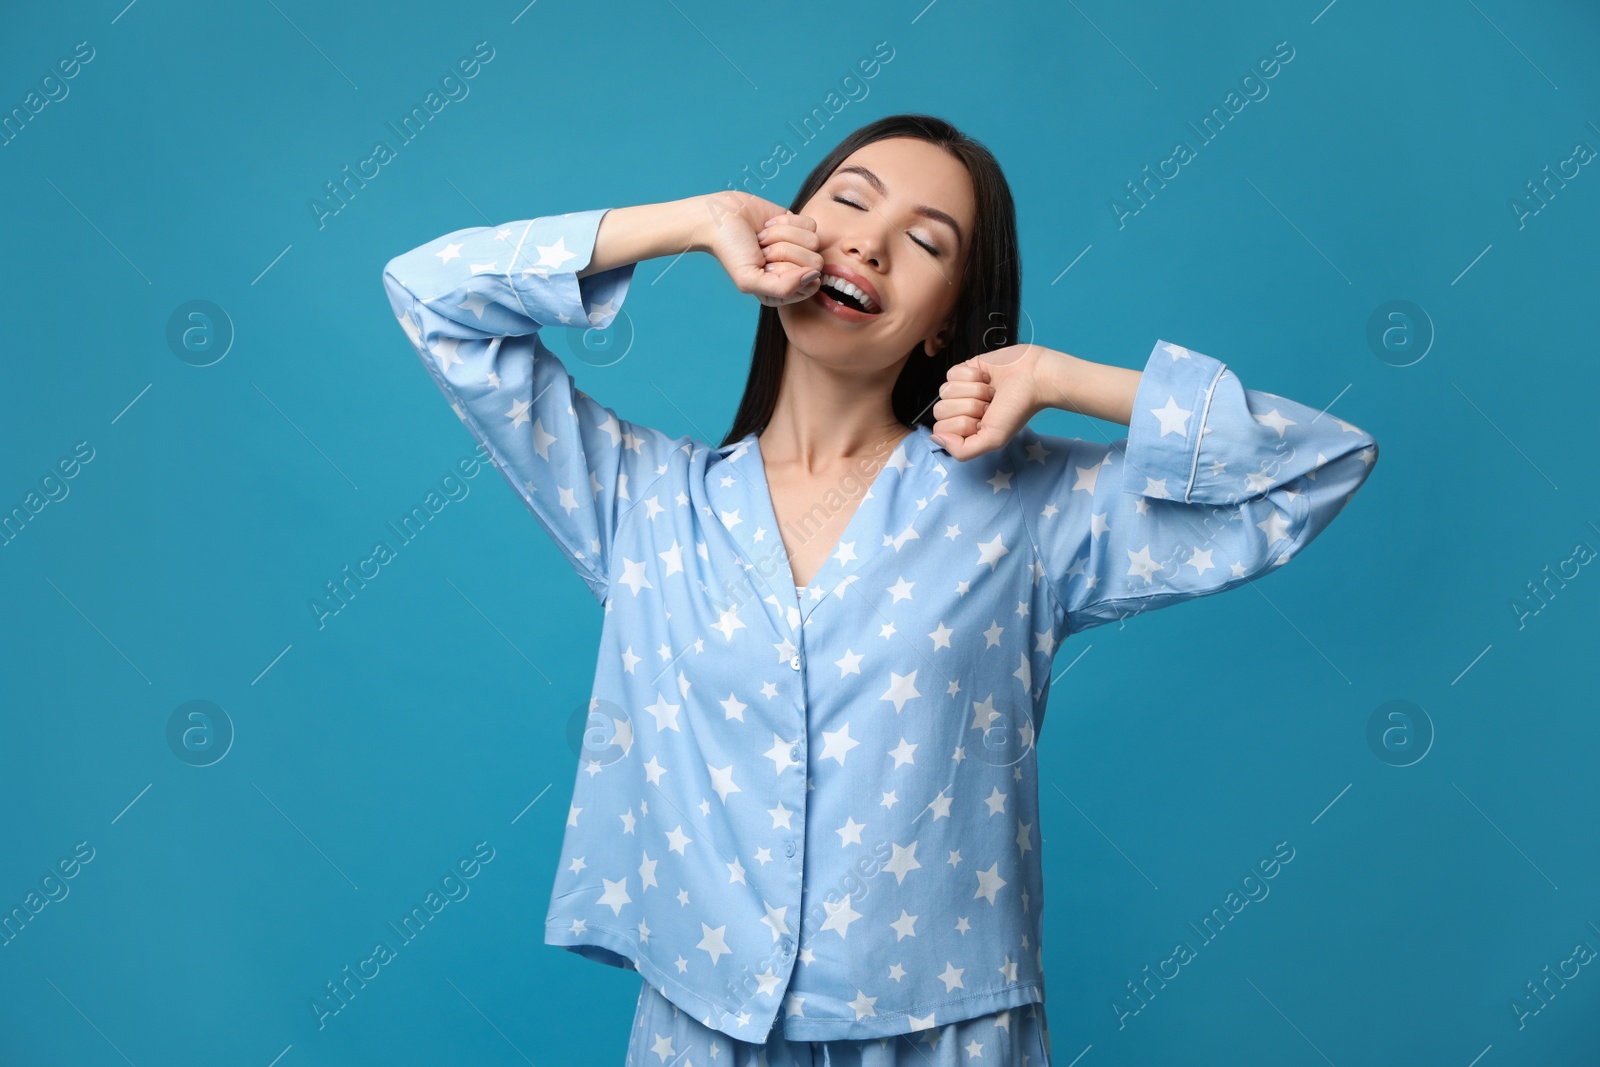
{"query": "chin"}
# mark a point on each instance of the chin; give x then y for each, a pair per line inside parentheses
(823, 337)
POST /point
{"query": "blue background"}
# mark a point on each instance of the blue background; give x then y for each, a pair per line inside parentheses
(433, 711)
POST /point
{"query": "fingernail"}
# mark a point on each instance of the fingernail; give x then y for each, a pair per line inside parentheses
(810, 277)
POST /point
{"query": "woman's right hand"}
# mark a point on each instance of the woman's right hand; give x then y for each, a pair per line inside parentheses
(778, 263)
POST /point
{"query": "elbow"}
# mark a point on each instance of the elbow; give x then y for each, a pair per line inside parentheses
(401, 297)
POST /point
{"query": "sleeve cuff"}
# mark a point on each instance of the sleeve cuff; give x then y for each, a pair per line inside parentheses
(544, 273)
(1170, 409)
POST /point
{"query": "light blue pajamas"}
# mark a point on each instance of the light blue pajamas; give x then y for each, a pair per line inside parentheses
(664, 1036)
(821, 805)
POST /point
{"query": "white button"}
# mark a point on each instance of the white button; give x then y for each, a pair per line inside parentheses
(795, 663)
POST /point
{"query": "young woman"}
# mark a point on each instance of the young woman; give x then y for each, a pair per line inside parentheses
(808, 814)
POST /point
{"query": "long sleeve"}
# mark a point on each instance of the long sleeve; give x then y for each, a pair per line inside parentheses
(472, 303)
(1214, 485)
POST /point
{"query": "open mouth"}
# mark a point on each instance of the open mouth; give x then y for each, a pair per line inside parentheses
(846, 295)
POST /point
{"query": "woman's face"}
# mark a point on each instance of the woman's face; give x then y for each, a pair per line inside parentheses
(895, 219)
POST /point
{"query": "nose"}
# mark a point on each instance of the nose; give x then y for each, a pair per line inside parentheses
(866, 243)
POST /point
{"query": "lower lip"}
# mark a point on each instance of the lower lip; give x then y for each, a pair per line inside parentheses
(833, 307)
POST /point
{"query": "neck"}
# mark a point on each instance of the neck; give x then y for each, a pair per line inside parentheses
(824, 417)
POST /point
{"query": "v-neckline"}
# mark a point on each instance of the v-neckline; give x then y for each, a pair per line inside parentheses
(764, 496)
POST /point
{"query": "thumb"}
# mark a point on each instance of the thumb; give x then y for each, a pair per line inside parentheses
(986, 439)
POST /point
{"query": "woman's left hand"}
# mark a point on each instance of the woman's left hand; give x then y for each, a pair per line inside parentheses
(987, 399)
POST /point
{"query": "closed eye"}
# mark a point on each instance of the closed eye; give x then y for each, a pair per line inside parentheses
(925, 246)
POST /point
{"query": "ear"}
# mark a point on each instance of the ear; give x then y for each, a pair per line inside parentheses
(931, 345)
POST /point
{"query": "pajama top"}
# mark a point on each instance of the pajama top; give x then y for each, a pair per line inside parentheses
(821, 810)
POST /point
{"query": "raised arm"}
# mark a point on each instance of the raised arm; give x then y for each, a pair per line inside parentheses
(1213, 486)
(472, 303)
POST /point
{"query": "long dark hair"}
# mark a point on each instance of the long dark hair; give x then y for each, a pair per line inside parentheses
(986, 311)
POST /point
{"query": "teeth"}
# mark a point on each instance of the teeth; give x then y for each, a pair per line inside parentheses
(845, 287)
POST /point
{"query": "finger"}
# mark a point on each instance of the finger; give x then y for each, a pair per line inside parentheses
(781, 281)
(793, 234)
(945, 409)
(785, 252)
(956, 426)
(981, 390)
(791, 219)
(968, 371)
(985, 439)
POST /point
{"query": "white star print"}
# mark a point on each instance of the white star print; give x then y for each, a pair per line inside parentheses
(902, 687)
(665, 713)
(903, 862)
(713, 941)
(722, 781)
(836, 743)
(1173, 418)
(989, 883)
(616, 894)
(840, 915)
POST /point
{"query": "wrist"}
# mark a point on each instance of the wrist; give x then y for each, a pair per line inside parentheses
(696, 221)
(1084, 387)
(1053, 381)
(703, 216)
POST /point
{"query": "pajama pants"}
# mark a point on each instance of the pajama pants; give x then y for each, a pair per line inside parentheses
(665, 1036)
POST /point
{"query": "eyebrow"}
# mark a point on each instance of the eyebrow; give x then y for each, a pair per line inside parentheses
(921, 209)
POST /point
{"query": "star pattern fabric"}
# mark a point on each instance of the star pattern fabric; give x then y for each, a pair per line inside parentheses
(817, 807)
(664, 1035)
